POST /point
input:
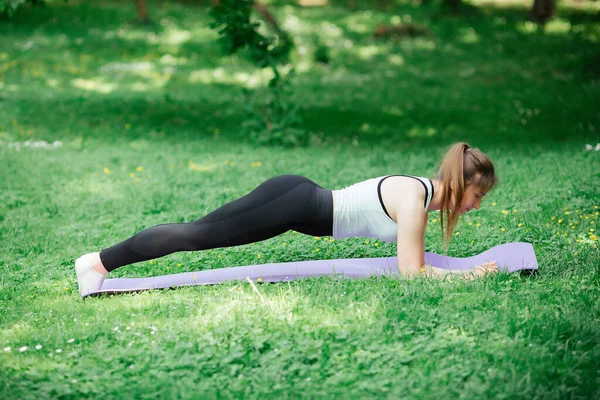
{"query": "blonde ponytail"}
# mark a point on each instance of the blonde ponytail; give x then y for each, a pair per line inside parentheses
(461, 166)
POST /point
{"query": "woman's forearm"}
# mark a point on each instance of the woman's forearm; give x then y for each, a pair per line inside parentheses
(429, 271)
(469, 273)
(436, 272)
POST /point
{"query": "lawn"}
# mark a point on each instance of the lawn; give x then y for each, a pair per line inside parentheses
(107, 128)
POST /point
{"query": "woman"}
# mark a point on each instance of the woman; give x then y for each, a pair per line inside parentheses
(391, 208)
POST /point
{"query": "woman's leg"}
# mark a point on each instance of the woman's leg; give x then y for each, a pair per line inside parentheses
(277, 205)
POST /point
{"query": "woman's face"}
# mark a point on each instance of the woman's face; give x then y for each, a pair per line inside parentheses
(471, 199)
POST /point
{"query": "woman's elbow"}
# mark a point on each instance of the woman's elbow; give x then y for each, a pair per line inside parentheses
(410, 270)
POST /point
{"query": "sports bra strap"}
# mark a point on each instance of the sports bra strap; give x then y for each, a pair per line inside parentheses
(428, 195)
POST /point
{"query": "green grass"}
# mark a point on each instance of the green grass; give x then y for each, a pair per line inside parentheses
(525, 97)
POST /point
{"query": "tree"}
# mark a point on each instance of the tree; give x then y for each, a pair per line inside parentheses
(542, 11)
(238, 32)
(271, 114)
(452, 4)
(142, 12)
(8, 7)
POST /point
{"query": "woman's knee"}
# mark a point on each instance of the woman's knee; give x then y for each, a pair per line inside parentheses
(192, 237)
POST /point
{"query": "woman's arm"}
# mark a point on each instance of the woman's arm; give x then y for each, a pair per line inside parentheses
(412, 220)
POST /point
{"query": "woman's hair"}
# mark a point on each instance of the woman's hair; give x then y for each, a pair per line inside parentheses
(460, 167)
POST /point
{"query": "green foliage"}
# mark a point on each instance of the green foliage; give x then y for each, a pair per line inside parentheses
(322, 53)
(237, 32)
(8, 7)
(271, 116)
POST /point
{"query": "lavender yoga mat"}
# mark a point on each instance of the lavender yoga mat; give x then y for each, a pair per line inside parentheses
(510, 257)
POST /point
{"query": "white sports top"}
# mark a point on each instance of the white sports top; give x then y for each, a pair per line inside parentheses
(359, 210)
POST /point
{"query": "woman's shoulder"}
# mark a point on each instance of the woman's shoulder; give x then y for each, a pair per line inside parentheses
(399, 190)
(405, 181)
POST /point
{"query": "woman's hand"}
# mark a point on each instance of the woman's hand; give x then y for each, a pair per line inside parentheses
(485, 268)
(472, 273)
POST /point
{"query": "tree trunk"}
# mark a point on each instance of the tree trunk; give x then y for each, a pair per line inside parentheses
(142, 12)
(262, 10)
(453, 5)
(542, 11)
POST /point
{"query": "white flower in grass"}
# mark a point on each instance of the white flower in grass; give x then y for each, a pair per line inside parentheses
(70, 340)
(59, 350)
(39, 346)
(589, 147)
(24, 348)
(116, 328)
(7, 349)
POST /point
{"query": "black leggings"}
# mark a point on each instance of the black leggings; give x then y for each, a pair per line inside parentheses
(277, 205)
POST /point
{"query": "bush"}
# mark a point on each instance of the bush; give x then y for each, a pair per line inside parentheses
(272, 117)
(9, 7)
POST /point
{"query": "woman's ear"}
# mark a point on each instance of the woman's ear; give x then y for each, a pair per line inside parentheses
(452, 188)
